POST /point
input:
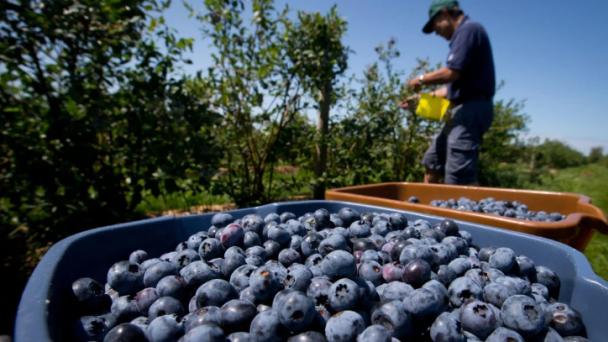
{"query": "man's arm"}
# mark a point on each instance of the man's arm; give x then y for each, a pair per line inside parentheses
(442, 76)
(441, 92)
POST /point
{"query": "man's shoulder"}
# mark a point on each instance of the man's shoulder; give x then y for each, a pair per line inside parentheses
(471, 26)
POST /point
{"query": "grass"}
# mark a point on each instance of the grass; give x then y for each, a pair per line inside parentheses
(179, 200)
(590, 180)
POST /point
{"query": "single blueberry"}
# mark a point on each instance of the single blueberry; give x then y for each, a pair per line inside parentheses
(344, 326)
(126, 277)
(446, 328)
(236, 315)
(343, 295)
(462, 289)
(522, 314)
(338, 264)
(215, 292)
(204, 333)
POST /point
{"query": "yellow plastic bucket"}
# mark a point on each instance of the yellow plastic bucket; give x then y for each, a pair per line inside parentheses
(432, 107)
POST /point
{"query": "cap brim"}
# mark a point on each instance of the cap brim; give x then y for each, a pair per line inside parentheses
(428, 28)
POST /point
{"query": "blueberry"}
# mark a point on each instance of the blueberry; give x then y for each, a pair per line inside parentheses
(309, 336)
(461, 245)
(89, 328)
(138, 256)
(221, 220)
(313, 260)
(165, 306)
(416, 251)
(286, 216)
(398, 221)
(547, 335)
(251, 239)
(240, 277)
(394, 236)
(253, 223)
(541, 290)
(126, 277)
(238, 337)
(336, 220)
(289, 256)
(477, 318)
(231, 264)
(466, 236)
(338, 264)
(446, 328)
(236, 315)
(295, 227)
(90, 294)
(396, 291)
(322, 220)
(296, 243)
(197, 273)
(443, 253)
(272, 249)
(479, 276)
(256, 251)
(210, 249)
(563, 318)
(416, 273)
(310, 244)
(146, 264)
(298, 279)
(486, 252)
(436, 234)
(460, 266)
(382, 228)
(206, 315)
(204, 333)
(343, 295)
(266, 327)
(496, 294)
(392, 272)
(547, 277)
(216, 292)
(575, 339)
(348, 216)
(125, 332)
(522, 314)
(232, 235)
(277, 268)
(173, 286)
(517, 285)
(141, 322)
(462, 289)
(423, 305)
(449, 228)
(397, 249)
(344, 326)
(392, 315)
(318, 290)
(333, 242)
(295, 311)
(125, 308)
(166, 328)
(247, 294)
(195, 240)
(372, 271)
(192, 306)
(444, 274)
(375, 333)
(503, 259)
(264, 283)
(360, 229)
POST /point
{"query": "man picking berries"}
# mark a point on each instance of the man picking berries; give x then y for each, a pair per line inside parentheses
(470, 80)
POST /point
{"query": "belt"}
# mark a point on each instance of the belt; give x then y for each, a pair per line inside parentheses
(479, 97)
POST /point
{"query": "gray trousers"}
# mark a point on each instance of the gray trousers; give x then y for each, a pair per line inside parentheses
(455, 151)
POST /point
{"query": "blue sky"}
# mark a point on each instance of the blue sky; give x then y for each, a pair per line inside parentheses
(552, 54)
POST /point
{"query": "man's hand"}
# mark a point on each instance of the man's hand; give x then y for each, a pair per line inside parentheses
(414, 84)
(410, 102)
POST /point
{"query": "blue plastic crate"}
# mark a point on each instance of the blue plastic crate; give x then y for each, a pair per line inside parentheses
(42, 317)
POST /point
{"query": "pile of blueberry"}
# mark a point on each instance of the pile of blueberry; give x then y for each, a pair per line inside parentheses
(491, 206)
(308, 278)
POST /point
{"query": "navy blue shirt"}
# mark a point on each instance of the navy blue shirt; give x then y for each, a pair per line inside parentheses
(471, 54)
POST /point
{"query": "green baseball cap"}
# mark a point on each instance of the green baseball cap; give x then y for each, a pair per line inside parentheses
(435, 8)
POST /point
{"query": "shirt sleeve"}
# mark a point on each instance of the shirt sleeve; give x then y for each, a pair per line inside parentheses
(461, 49)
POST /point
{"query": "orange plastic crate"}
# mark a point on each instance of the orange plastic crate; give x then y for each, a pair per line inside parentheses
(582, 220)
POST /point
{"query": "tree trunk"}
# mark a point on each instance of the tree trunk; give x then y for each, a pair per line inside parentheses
(321, 148)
